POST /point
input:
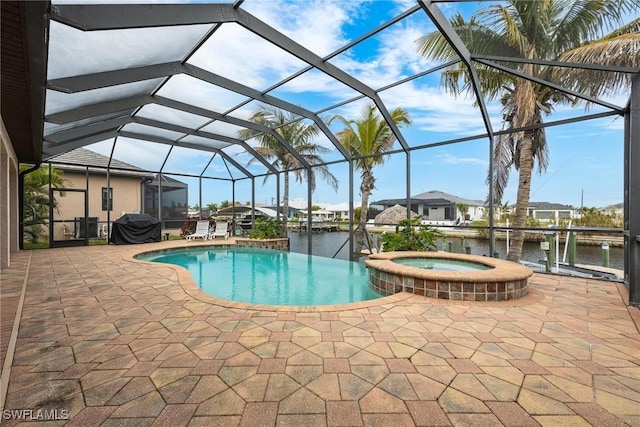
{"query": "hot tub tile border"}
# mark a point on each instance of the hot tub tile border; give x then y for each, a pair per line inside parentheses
(510, 280)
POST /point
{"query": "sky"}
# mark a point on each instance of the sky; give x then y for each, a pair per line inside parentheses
(586, 158)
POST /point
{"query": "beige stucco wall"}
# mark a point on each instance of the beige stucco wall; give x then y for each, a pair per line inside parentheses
(9, 222)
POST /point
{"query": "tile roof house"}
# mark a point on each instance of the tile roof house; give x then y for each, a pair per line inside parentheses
(550, 212)
(438, 208)
(128, 189)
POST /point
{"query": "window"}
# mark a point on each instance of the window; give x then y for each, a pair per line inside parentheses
(107, 199)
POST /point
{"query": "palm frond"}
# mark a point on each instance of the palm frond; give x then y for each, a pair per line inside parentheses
(506, 25)
(588, 20)
(503, 156)
(622, 50)
(541, 150)
(369, 137)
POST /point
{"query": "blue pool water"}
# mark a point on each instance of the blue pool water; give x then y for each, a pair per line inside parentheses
(441, 264)
(263, 276)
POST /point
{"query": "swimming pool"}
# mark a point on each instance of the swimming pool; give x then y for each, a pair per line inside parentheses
(263, 276)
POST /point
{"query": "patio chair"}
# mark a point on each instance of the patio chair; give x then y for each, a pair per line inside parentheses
(202, 230)
(221, 230)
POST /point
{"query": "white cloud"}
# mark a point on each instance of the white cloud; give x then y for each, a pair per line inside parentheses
(433, 110)
(394, 58)
(317, 25)
(196, 92)
(449, 159)
(240, 55)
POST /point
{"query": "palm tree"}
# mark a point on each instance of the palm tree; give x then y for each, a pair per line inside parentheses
(36, 199)
(464, 209)
(556, 30)
(300, 137)
(212, 207)
(367, 139)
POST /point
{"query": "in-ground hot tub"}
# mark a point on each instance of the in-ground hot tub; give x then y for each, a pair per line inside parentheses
(447, 275)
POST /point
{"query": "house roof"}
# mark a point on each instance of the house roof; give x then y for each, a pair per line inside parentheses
(431, 198)
(341, 207)
(76, 160)
(435, 194)
(548, 206)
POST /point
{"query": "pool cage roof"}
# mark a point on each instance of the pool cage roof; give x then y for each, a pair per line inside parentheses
(160, 75)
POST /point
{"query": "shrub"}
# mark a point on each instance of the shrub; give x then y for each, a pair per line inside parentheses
(266, 228)
(411, 235)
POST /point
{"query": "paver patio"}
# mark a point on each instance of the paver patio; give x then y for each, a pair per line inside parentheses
(112, 341)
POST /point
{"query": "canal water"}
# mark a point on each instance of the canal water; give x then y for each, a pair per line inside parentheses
(328, 244)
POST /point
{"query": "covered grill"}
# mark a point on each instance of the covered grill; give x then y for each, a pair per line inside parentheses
(136, 228)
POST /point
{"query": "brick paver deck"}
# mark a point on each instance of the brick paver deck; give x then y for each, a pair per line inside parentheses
(112, 341)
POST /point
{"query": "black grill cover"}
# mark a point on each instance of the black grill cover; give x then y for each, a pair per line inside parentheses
(136, 228)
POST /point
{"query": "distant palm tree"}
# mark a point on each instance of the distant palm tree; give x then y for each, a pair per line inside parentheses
(300, 136)
(367, 139)
(36, 199)
(561, 30)
(212, 207)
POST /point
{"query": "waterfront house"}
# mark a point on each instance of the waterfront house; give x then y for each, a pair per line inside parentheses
(438, 208)
(341, 210)
(550, 212)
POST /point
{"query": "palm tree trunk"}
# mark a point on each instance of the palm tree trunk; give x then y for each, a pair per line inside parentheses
(522, 201)
(366, 187)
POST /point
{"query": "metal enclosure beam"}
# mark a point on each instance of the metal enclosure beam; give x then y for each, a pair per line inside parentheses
(632, 193)
(549, 84)
(111, 78)
(109, 17)
(68, 135)
(160, 140)
(118, 16)
(50, 149)
(223, 82)
(263, 30)
(166, 102)
(447, 31)
(204, 134)
(576, 65)
(116, 77)
(88, 111)
(441, 22)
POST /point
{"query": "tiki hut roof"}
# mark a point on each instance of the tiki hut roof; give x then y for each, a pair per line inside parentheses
(393, 215)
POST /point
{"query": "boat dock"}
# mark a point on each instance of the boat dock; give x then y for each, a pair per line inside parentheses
(316, 226)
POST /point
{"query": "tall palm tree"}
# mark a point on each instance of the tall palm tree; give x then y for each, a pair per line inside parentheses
(300, 136)
(367, 139)
(561, 30)
(36, 199)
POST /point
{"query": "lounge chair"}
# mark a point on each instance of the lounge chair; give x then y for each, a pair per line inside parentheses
(222, 230)
(202, 230)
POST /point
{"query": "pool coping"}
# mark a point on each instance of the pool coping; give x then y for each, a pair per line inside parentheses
(189, 286)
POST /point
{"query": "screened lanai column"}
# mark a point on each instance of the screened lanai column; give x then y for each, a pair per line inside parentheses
(632, 194)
